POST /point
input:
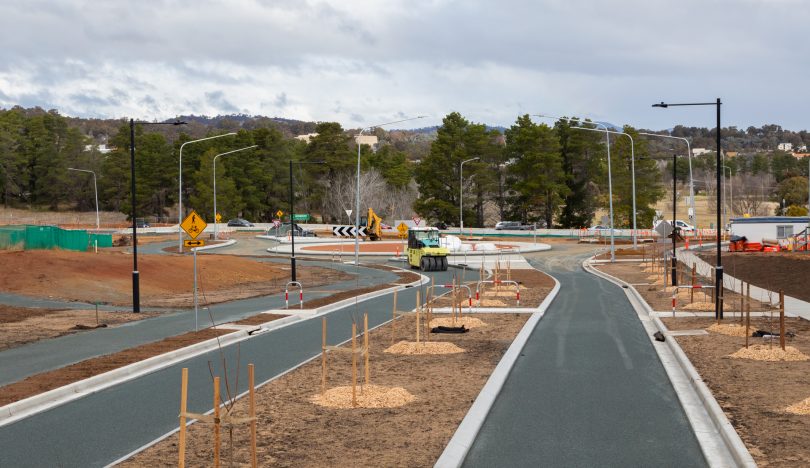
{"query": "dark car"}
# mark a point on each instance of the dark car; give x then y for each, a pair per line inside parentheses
(141, 223)
(239, 222)
(296, 230)
(441, 225)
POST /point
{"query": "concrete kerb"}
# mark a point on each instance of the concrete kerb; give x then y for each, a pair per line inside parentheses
(286, 248)
(719, 441)
(65, 394)
(456, 450)
(215, 246)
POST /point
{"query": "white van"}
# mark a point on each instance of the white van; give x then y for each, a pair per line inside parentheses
(682, 225)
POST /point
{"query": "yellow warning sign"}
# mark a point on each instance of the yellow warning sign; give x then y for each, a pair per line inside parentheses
(403, 230)
(194, 225)
(279, 214)
(219, 217)
(194, 243)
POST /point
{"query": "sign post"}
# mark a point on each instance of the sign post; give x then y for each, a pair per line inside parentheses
(194, 225)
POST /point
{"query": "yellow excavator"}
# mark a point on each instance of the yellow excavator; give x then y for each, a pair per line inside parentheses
(373, 225)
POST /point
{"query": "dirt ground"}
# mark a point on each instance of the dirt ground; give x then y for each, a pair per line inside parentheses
(20, 325)
(165, 280)
(754, 394)
(534, 287)
(292, 431)
(651, 287)
(789, 271)
(40, 383)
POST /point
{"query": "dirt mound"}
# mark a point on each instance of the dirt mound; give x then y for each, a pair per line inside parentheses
(425, 347)
(368, 396)
(728, 329)
(765, 353)
(802, 407)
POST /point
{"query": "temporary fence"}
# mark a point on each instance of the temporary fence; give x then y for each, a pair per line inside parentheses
(27, 237)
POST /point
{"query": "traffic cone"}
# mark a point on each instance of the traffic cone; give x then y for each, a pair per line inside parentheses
(687, 243)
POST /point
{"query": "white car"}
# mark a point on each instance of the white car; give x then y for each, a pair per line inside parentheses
(599, 229)
(680, 224)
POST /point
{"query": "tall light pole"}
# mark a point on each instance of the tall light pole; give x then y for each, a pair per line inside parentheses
(461, 194)
(689, 158)
(95, 190)
(136, 290)
(357, 199)
(632, 173)
(216, 227)
(718, 302)
(180, 189)
(610, 176)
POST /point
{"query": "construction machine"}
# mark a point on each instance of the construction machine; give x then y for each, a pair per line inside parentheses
(373, 225)
(425, 251)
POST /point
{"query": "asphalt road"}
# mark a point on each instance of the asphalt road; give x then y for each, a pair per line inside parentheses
(588, 389)
(100, 428)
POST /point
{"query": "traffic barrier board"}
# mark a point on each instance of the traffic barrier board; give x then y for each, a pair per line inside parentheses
(347, 231)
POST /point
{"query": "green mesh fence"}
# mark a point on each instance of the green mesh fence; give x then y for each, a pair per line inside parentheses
(50, 237)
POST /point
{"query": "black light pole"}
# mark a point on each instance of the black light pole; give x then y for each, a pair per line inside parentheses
(136, 294)
(718, 303)
(674, 219)
(292, 203)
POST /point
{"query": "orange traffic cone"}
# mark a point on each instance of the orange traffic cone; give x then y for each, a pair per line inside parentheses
(687, 243)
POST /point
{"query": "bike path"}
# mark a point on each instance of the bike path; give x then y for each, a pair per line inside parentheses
(41, 356)
(100, 428)
(587, 390)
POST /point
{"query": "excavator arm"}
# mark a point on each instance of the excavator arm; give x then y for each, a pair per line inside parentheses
(373, 225)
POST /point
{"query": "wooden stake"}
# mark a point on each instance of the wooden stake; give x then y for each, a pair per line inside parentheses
(417, 324)
(254, 462)
(181, 446)
(365, 345)
(742, 299)
(748, 316)
(782, 319)
(323, 355)
(354, 364)
(393, 317)
(694, 278)
(216, 422)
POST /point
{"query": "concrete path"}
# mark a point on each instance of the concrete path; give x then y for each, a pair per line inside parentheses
(102, 427)
(588, 390)
(34, 358)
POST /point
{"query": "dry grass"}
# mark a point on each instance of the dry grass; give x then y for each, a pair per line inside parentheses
(424, 347)
(761, 352)
(368, 396)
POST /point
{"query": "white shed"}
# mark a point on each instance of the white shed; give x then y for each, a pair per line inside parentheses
(768, 227)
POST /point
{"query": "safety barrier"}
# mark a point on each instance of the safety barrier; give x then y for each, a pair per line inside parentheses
(300, 294)
(27, 237)
(429, 292)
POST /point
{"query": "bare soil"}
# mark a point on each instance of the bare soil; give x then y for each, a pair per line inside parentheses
(21, 325)
(755, 394)
(293, 431)
(165, 280)
(789, 271)
(651, 287)
(259, 319)
(534, 287)
(46, 381)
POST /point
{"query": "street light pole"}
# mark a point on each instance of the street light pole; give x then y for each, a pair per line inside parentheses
(216, 227)
(292, 221)
(610, 176)
(357, 198)
(674, 219)
(718, 303)
(632, 173)
(689, 159)
(95, 190)
(180, 188)
(461, 195)
(136, 293)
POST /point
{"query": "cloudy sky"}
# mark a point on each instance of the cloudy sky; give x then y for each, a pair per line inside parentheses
(366, 62)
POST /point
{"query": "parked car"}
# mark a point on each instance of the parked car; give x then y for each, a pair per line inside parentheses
(680, 224)
(513, 225)
(441, 225)
(141, 223)
(600, 229)
(296, 230)
(239, 222)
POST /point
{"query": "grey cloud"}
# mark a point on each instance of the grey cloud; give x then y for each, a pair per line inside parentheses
(217, 100)
(281, 100)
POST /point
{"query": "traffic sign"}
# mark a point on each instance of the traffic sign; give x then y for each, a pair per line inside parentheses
(403, 230)
(194, 225)
(416, 220)
(348, 213)
(219, 217)
(347, 231)
(276, 223)
(194, 243)
(279, 213)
